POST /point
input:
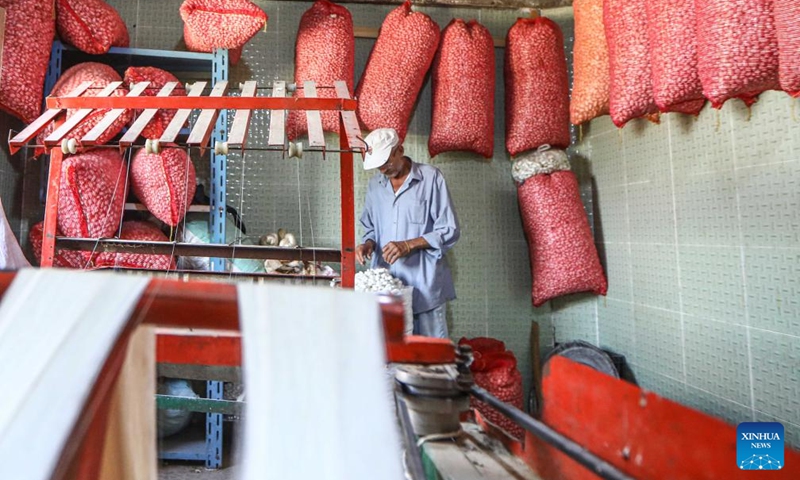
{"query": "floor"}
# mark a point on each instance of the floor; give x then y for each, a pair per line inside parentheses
(194, 470)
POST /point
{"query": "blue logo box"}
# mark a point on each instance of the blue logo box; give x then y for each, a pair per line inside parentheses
(759, 446)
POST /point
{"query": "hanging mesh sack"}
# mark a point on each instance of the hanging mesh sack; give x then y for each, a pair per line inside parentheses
(29, 33)
(396, 69)
(324, 53)
(157, 78)
(164, 182)
(787, 30)
(673, 56)
(92, 26)
(463, 91)
(63, 258)
(737, 49)
(144, 231)
(563, 255)
(630, 88)
(536, 86)
(210, 24)
(590, 63)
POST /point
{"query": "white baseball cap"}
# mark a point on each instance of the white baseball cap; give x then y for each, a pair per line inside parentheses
(380, 143)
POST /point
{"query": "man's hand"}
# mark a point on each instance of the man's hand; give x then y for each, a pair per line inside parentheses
(364, 251)
(394, 250)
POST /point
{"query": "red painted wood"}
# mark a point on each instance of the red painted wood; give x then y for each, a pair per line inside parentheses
(199, 349)
(51, 208)
(70, 123)
(100, 128)
(347, 200)
(192, 103)
(144, 118)
(205, 122)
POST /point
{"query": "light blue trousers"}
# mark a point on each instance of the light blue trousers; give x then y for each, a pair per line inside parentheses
(432, 323)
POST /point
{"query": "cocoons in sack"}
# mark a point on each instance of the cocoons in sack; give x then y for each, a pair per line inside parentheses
(92, 26)
(324, 53)
(787, 29)
(63, 258)
(157, 78)
(210, 24)
(138, 231)
(29, 33)
(463, 91)
(396, 70)
(164, 182)
(590, 63)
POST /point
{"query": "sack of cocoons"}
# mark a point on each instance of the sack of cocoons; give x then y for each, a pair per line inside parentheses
(673, 56)
(379, 280)
(495, 370)
(787, 30)
(101, 75)
(197, 231)
(171, 421)
(92, 26)
(537, 88)
(630, 87)
(63, 258)
(590, 63)
(144, 231)
(210, 24)
(29, 33)
(324, 53)
(157, 78)
(164, 182)
(563, 255)
(737, 49)
(396, 69)
(92, 194)
(463, 91)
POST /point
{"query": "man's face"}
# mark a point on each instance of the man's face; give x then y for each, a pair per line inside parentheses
(394, 166)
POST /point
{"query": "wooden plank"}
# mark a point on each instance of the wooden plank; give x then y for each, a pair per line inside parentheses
(241, 121)
(351, 128)
(179, 120)
(73, 121)
(277, 118)
(205, 121)
(111, 117)
(144, 118)
(316, 138)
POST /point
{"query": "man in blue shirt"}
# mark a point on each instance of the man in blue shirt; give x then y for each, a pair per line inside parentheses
(409, 225)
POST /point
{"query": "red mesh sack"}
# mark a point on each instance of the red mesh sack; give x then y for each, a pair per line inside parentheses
(673, 56)
(157, 78)
(91, 26)
(164, 183)
(563, 255)
(483, 345)
(463, 91)
(630, 85)
(101, 75)
(30, 29)
(145, 231)
(787, 30)
(396, 69)
(324, 53)
(537, 88)
(590, 63)
(210, 24)
(737, 49)
(92, 194)
(63, 258)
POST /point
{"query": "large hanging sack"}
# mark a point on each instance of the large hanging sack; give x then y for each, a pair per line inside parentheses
(631, 88)
(787, 29)
(63, 258)
(324, 53)
(563, 255)
(92, 26)
(210, 24)
(101, 75)
(672, 39)
(144, 231)
(463, 91)
(92, 194)
(737, 49)
(164, 182)
(396, 69)
(157, 78)
(590, 63)
(536, 85)
(29, 33)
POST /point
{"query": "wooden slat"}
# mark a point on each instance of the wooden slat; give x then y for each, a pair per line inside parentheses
(205, 121)
(349, 119)
(315, 136)
(277, 118)
(73, 121)
(142, 120)
(241, 122)
(111, 117)
(174, 127)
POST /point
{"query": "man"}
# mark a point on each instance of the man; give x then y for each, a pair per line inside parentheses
(409, 224)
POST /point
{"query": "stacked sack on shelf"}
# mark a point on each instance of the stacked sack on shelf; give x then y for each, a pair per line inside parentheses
(212, 24)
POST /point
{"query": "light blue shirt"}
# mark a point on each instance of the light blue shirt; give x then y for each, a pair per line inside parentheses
(421, 208)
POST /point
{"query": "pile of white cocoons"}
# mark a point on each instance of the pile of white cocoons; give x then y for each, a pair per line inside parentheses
(378, 280)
